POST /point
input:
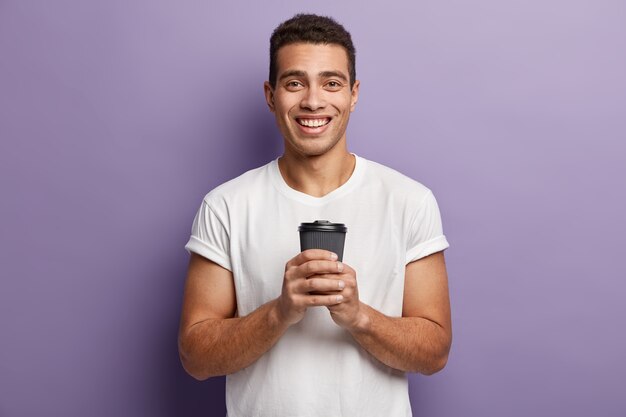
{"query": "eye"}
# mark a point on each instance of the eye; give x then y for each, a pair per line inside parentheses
(334, 85)
(293, 85)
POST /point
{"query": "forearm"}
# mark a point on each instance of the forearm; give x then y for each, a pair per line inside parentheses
(223, 346)
(411, 344)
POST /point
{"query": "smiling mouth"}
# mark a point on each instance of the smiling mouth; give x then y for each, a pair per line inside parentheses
(314, 122)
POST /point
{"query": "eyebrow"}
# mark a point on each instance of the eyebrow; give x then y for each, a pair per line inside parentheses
(323, 74)
(292, 73)
(330, 74)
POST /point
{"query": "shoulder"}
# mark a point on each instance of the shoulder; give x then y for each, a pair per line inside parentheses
(239, 187)
(394, 183)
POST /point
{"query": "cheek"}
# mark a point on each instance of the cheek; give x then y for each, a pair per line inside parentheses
(285, 102)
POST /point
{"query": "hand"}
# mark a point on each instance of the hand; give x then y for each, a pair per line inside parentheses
(348, 314)
(310, 280)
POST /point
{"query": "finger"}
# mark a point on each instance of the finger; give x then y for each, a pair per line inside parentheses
(347, 269)
(310, 255)
(325, 276)
(317, 284)
(349, 290)
(323, 300)
(318, 267)
(324, 293)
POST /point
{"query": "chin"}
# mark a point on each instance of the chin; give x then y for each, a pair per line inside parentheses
(314, 151)
(317, 149)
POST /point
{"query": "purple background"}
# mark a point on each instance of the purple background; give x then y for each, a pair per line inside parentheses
(117, 117)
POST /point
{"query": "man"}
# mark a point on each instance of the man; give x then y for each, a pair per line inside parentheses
(302, 334)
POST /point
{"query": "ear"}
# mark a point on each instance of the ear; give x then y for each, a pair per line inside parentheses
(354, 95)
(269, 95)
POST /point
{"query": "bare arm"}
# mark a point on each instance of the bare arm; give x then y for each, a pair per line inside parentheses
(212, 341)
(420, 340)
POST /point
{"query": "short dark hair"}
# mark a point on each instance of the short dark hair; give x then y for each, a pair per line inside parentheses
(311, 28)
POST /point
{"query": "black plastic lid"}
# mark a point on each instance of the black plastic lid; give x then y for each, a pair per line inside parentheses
(322, 226)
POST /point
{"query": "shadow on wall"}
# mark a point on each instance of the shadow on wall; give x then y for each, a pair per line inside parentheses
(253, 144)
(176, 392)
(241, 136)
(259, 138)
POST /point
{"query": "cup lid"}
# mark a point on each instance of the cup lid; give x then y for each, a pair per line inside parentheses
(322, 226)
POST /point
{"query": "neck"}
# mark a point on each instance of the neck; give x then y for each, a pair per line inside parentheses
(317, 175)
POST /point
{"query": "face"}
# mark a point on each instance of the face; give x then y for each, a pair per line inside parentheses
(312, 100)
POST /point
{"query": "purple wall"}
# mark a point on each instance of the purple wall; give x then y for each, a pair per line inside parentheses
(117, 117)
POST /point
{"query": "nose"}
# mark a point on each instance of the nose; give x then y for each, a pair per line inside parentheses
(313, 99)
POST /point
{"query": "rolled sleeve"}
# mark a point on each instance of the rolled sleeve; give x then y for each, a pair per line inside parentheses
(426, 232)
(209, 237)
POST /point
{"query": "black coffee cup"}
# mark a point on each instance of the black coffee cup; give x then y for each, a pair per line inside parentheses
(322, 234)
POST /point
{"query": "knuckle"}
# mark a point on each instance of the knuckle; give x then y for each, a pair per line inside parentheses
(289, 287)
(295, 272)
(312, 266)
(289, 273)
(314, 300)
(298, 302)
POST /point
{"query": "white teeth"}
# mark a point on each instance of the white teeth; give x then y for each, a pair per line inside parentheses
(313, 122)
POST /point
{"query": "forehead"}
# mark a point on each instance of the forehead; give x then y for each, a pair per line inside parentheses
(312, 58)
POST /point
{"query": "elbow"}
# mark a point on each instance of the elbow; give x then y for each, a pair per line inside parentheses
(438, 360)
(436, 365)
(188, 363)
(193, 371)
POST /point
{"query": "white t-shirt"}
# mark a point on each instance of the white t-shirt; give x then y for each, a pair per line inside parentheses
(249, 225)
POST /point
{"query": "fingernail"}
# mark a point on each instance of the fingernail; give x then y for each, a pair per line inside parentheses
(341, 285)
(333, 256)
(339, 266)
(339, 298)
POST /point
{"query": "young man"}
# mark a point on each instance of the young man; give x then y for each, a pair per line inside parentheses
(302, 334)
